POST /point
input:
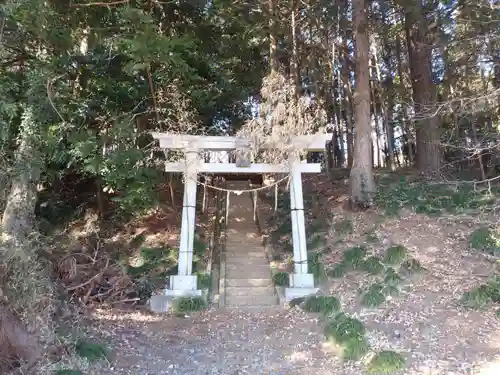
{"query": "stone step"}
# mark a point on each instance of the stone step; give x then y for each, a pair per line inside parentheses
(264, 300)
(251, 291)
(244, 242)
(241, 263)
(248, 282)
(247, 267)
(244, 248)
(241, 251)
(240, 244)
(243, 254)
(248, 272)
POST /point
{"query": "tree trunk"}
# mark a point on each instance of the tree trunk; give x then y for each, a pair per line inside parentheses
(362, 185)
(407, 143)
(424, 92)
(273, 44)
(18, 216)
(348, 106)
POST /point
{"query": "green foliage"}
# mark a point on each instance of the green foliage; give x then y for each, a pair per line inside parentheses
(281, 278)
(161, 261)
(315, 265)
(395, 254)
(204, 280)
(353, 257)
(199, 248)
(189, 304)
(326, 305)
(482, 295)
(68, 372)
(485, 239)
(343, 226)
(344, 328)
(91, 351)
(430, 199)
(374, 296)
(354, 349)
(373, 265)
(386, 362)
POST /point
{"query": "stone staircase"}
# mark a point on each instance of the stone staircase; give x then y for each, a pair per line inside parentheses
(248, 281)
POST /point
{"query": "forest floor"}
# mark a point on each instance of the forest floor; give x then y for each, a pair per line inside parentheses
(425, 321)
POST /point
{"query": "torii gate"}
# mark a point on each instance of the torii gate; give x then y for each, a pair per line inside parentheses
(185, 283)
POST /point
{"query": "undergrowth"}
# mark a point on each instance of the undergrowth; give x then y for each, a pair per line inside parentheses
(281, 278)
(485, 239)
(189, 304)
(386, 362)
(482, 295)
(430, 199)
(388, 271)
(349, 334)
(325, 305)
(26, 286)
(91, 351)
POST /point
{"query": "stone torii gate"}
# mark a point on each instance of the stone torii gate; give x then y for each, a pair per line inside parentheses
(185, 283)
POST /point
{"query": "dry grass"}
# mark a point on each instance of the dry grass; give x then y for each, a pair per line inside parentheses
(26, 314)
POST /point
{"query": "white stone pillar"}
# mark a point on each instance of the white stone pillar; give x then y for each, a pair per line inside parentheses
(301, 282)
(184, 283)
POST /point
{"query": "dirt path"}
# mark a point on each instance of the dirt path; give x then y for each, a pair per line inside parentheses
(271, 341)
(281, 341)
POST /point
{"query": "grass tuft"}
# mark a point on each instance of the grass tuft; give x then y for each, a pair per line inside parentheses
(386, 362)
(373, 265)
(353, 257)
(355, 349)
(326, 305)
(281, 278)
(395, 254)
(344, 328)
(485, 239)
(91, 351)
(188, 304)
(204, 280)
(482, 295)
(374, 296)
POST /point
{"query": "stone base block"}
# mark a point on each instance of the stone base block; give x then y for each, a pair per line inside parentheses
(301, 280)
(160, 303)
(183, 293)
(292, 293)
(183, 282)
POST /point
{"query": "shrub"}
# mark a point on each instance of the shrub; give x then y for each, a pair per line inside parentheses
(386, 362)
(187, 304)
(354, 256)
(373, 265)
(91, 351)
(373, 297)
(281, 278)
(325, 305)
(343, 328)
(395, 254)
(485, 239)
